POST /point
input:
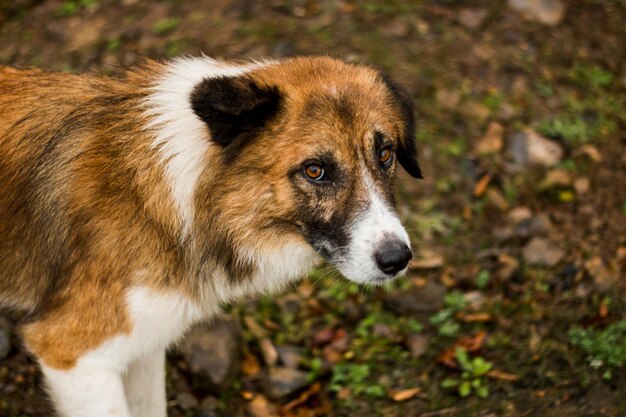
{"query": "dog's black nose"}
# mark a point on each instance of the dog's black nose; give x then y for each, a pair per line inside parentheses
(393, 256)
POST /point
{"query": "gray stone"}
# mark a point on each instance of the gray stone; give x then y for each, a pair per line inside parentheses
(5, 344)
(426, 299)
(547, 12)
(417, 344)
(529, 148)
(186, 400)
(281, 382)
(212, 352)
(290, 356)
(543, 252)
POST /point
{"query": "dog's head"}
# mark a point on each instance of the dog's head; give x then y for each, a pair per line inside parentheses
(305, 154)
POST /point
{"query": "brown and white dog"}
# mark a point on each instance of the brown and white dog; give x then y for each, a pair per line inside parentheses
(132, 208)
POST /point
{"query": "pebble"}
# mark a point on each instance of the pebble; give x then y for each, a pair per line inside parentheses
(547, 12)
(582, 185)
(212, 351)
(270, 355)
(5, 344)
(530, 148)
(425, 299)
(604, 279)
(556, 178)
(186, 401)
(472, 19)
(290, 356)
(261, 407)
(543, 252)
(519, 214)
(5, 340)
(448, 99)
(281, 382)
(417, 344)
(492, 141)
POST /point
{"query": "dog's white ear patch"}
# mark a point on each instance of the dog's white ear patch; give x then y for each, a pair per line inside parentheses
(180, 135)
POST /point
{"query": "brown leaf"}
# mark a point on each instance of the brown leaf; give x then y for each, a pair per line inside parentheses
(250, 365)
(481, 185)
(405, 394)
(431, 262)
(475, 317)
(505, 376)
(261, 407)
(469, 343)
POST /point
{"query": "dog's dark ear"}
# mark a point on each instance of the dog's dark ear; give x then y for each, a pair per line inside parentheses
(407, 148)
(234, 108)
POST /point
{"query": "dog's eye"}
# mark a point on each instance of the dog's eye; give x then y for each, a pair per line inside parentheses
(314, 172)
(385, 156)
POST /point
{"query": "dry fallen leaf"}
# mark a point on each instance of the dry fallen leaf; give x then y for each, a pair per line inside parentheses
(250, 365)
(469, 344)
(481, 185)
(505, 376)
(405, 394)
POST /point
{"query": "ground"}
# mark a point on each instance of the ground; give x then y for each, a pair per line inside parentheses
(514, 304)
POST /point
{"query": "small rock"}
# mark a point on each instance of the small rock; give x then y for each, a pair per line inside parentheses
(270, 355)
(5, 344)
(426, 299)
(208, 407)
(383, 331)
(448, 99)
(398, 28)
(496, 199)
(472, 19)
(427, 261)
(556, 178)
(290, 356)
(547, 12)
(290, 304)
(603, 278)
(591, 151)
(519, 214)
(186, 401)
(212, 351)
(492, 141)
(528, 147)
(281, 382)
(475, 110)
(417, 344)
(541, 251)
(261, 407)
(507, 268)
(582, 185)
(475, 299)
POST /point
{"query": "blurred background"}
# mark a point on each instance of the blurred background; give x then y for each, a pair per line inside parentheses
(515, 302)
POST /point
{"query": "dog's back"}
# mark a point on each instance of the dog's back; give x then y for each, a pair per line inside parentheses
(47, 123)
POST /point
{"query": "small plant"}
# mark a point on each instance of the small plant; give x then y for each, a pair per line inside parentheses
(165, 26)
(71, 7)
(444, 319)
(482, 279)
(473, 373)
(605, 348)
(355, 377)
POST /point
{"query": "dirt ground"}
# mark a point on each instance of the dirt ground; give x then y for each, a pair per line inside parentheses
(515, 302)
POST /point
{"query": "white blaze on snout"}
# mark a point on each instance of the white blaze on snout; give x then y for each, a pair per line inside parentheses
(378, 222)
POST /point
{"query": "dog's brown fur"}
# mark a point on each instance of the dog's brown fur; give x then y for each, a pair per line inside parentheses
(85, 203)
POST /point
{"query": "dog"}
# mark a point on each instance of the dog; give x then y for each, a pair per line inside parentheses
(133, 207)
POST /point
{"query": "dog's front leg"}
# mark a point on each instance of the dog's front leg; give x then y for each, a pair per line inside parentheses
(89, 389)
(144, 383)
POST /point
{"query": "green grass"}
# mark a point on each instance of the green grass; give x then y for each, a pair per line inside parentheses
(165, 26)
(605, 348)
(72, 7)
